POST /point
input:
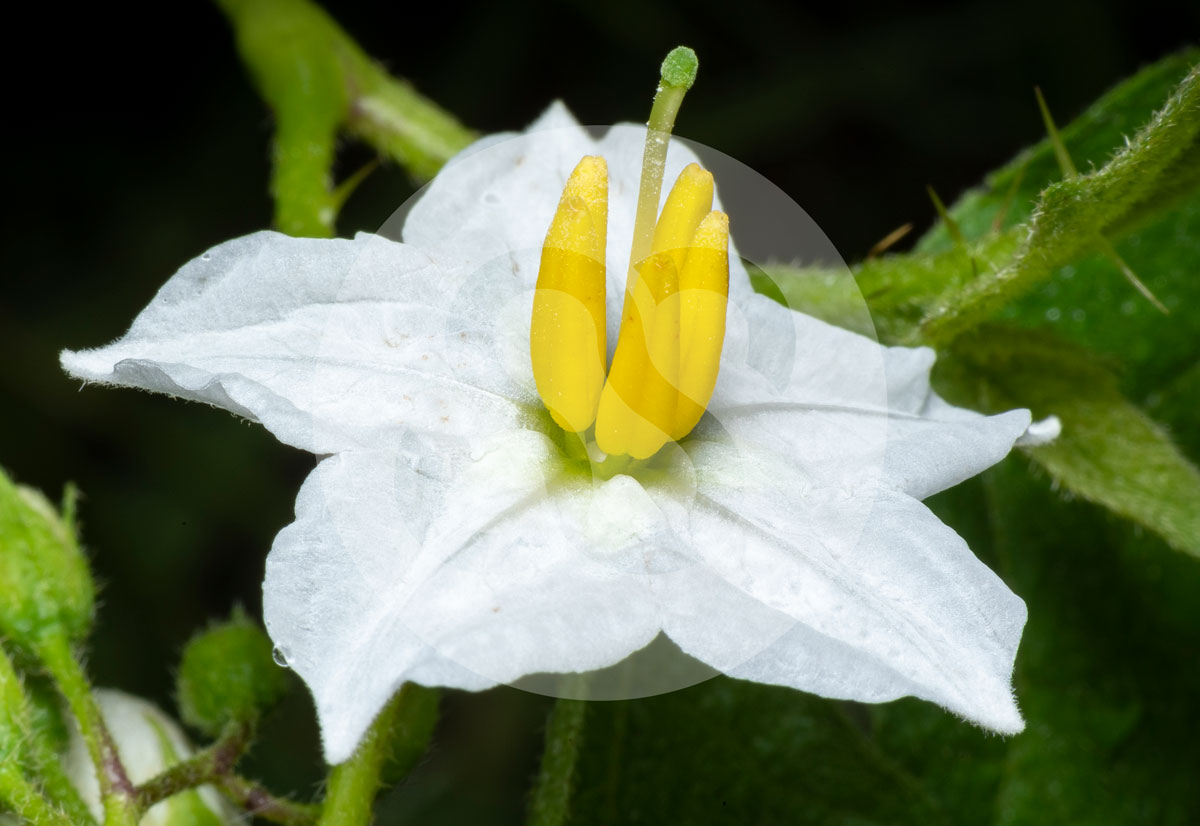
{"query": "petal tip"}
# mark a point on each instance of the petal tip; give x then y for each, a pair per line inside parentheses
(81, 364)
(1041, 432)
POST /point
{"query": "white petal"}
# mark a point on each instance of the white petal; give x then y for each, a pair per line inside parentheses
(495, 200)
(460, 571)
(847, 409)
(857, 594)
(331, 344)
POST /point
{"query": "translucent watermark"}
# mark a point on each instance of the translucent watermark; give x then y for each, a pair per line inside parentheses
(640, 556)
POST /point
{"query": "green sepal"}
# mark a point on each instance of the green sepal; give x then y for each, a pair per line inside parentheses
(46, 588)
(228, 675)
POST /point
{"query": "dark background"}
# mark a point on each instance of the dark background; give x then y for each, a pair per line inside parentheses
(136, 142)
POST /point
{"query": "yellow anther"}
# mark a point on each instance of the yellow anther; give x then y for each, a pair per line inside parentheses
(567, 334)
(669, 350)
(637, 406)
(704, 293)
(672, 328)
(689, 201)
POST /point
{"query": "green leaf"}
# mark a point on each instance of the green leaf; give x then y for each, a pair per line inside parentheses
(728, 751)
(1091, 139)
(1011, 248)
(1092, 304)
(1109, 452)
(1106, 673)
(1178, 405)
(1152, 172)
(959, 765)
(887, 296)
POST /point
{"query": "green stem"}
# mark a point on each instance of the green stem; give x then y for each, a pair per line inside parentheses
(319, 82)
(20, 746)
(402, 124)
(551, 801)
(301, 175)
(203, 767)
(260, 803)
(214, 765)
(116, 792)
(353, 785)
(48, 767)
(19, 795)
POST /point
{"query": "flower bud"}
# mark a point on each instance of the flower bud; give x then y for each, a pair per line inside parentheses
(45, 586)
(228, 675)
(148, 742)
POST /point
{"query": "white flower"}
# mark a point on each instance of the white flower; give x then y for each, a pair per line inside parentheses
(148, 741)
(449, 538)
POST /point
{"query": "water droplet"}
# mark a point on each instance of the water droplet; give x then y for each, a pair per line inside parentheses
(1128, 307)
(1067, 272)
(278, 655)
(206, 256)
(1053, 314)
(1078, 315)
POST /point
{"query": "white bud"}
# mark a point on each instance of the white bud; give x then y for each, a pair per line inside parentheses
(148, 742)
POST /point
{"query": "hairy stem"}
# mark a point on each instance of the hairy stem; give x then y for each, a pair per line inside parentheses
(551, 802)
(354, 784)
(203, 767)
(47, 765)
(260, 803)
(116, 792)
(28, 803)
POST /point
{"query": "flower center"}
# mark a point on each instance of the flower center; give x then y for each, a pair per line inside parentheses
(672, 326)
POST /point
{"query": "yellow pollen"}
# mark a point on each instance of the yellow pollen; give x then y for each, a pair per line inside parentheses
(668, 352)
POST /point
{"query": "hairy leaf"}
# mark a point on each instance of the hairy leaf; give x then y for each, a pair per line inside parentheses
(733, 752)
(1109, 452)
(1152, 172)
(1014, 242)
(1106, 675)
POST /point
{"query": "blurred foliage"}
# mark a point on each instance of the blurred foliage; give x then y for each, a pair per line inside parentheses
(46, 588)
(850, 112)
(728, 751)
(1110, 452)
(317, 82)
(1026, 223)
(1079, 214)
